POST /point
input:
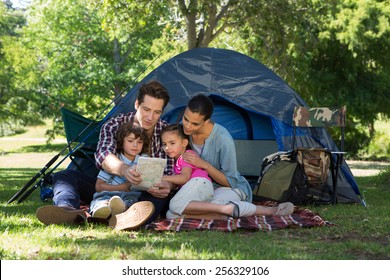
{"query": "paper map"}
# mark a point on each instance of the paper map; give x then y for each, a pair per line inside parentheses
(151, 170)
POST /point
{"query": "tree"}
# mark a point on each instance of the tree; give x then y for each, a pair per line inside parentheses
(83, 61)
(331, 53)
(17, 108)
(82, 53)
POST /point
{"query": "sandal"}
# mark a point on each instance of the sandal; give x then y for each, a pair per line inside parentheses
(284, 209)
(236, 210)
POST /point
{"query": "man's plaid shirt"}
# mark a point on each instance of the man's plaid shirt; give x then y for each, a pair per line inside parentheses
(107, 142)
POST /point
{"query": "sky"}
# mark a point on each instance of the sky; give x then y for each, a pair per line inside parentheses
(20, 3)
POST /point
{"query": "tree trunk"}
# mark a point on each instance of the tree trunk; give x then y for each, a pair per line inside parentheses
(371, 129)
(190, 16)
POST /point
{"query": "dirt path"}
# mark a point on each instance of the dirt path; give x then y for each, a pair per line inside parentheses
(366, 168)
(30, 160)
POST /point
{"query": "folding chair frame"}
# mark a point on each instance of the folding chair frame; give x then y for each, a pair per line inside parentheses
(323, 117)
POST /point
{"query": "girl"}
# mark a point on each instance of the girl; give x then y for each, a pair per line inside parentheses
(194, 183)
(196, 188)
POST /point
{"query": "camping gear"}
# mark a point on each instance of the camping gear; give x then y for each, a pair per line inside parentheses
(81, 143)
(317, 161)
(282, 179)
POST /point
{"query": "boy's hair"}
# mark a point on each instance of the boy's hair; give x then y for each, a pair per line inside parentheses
(178, 128)
(132, 128)
(202, 105)
(154, 89)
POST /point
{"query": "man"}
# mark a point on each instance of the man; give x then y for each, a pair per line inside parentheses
(71, 187)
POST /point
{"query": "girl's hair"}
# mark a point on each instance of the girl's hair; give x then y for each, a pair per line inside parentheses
(202, 105)
(178, 128)
(132, 128)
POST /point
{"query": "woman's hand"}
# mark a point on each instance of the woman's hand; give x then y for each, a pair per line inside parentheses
(214, 173)
(195, 160)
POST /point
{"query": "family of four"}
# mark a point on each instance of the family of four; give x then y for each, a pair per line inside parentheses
(201, 179)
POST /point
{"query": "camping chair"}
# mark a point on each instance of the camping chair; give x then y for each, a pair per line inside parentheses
(317, 162)
(81, 144)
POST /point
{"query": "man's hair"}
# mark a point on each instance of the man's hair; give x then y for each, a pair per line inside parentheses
(154, 89)
(132, 128)
(202, 105)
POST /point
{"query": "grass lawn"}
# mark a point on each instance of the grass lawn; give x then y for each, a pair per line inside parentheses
(359, 233)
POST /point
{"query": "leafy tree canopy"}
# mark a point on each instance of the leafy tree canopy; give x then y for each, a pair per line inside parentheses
(81, 54)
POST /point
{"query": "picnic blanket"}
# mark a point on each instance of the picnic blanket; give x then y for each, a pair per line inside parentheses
(301, 218)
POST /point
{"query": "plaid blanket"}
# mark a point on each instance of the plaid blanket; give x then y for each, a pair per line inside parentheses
(301, 218)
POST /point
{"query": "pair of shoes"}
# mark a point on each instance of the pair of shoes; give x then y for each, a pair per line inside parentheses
(284, 209)
(113, 207)
(236, 210)
(117, 205)
(134, 217)
(52, 214)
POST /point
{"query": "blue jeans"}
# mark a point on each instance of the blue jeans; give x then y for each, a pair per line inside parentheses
(71, 187)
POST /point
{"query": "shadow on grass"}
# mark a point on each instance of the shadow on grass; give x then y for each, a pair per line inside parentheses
(12, 180)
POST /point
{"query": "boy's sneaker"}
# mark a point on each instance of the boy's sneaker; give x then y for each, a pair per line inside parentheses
(134, 217)
(117, 205)
(52, 214)
(102, 212)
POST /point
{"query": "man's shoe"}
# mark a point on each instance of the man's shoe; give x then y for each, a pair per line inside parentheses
(52, 214)
(134, 217)
(117, 205)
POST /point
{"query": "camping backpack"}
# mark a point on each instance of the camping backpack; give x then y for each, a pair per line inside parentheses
(281, 179)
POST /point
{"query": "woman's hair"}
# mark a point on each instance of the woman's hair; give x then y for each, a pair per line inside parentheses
(178, 128)
(202, 105)
(154, 89)
(132, 128)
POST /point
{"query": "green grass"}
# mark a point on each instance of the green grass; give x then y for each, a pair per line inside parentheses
(358, 233)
